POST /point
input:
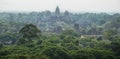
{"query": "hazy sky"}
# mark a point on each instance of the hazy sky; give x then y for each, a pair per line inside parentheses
(70, 5)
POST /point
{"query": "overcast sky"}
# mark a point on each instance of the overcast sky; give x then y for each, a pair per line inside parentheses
(70, 5)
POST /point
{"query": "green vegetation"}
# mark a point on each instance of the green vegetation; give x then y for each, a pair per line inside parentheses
(66, 45)
(56, 35)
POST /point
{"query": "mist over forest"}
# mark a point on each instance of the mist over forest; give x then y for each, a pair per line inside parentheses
(59, 35)
(49, 21)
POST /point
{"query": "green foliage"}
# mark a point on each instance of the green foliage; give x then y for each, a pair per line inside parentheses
(64, 44)
(1, 45)
(83, 55)
(88, 53)
(116, 47)
(55, 53)
(70, 46)
(70, 32)
(30, 31)
(110, 33)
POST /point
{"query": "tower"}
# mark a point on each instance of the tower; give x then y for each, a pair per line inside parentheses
(57, 11)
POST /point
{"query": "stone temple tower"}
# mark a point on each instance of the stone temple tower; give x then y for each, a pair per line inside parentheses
(57, 11)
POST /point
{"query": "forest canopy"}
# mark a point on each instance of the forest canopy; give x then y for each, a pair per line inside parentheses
(59, 35)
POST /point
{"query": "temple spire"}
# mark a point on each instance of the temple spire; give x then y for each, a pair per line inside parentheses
(57, 11)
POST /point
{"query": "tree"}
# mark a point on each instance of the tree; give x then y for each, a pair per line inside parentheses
(1, 45)
(55, 53)
(28, 32)
(116, 47)
(83, 54)
(76, 27)
(110, 33)
(71, 32)
(66, 13)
